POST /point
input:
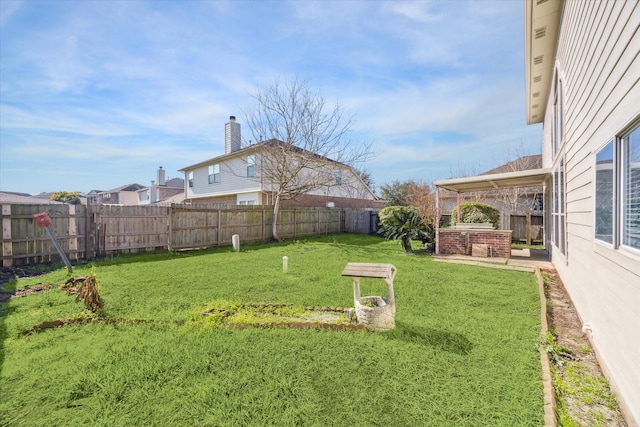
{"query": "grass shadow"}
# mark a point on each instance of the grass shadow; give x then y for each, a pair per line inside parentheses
(443, 340)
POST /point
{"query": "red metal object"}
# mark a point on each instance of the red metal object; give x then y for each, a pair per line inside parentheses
(42, 219)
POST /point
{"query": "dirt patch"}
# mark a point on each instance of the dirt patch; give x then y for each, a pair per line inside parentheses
(582, 392)
(35, 289)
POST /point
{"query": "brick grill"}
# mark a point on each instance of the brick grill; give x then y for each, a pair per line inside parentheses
(455, 241)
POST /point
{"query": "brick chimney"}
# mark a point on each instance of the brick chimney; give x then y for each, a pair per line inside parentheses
(232, 139)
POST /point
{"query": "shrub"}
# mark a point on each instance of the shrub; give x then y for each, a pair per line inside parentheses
(402, 223)
(476, 213)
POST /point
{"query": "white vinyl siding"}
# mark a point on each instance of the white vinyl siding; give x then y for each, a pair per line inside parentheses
(233, 180)
(597, 61)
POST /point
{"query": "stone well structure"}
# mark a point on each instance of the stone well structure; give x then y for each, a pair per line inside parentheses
(375, 312)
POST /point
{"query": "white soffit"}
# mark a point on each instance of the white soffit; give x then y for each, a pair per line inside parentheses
(527, 178)
(542, 23)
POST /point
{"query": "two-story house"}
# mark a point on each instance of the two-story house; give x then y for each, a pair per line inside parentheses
(241, 177)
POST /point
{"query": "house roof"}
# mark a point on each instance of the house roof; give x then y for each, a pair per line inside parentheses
(218, 159)
(542, 26)
(175, 183)
(521, 163)
(524, 178)
(172, 183)
(178, 198)
(128, 187)
(253, 148)
(22, 198)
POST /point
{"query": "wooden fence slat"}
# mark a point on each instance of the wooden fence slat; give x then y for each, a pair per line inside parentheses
(85, 232)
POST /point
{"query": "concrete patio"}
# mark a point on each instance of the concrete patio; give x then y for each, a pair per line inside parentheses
(522, 259)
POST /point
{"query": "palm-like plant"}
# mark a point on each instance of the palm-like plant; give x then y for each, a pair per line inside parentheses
(402, 223)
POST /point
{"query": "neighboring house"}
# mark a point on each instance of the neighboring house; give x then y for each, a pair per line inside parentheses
(93, 197)
(583, 83)
(161, 189)
(178, 198)
(124, 195)
(236, 178)
(24, 198)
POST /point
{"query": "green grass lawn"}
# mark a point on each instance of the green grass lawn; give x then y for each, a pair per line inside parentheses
(464, 351)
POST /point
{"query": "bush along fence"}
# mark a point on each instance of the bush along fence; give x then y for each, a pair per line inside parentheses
(86, 232)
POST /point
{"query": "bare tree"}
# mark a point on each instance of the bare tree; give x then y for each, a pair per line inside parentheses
(305, 144)
(515, 160)
(422, 196)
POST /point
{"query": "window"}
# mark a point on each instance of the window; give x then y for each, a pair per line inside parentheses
(190, 178)
(557, 125)
(617, 198)
(559, 235)
(558, 212)
(214, 174)
(251, 163)
(338, 176)
(604, 194)
(631, 189)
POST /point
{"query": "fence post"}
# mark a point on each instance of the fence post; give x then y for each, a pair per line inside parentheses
(87, 230)
(7, 248)
(218, 230)
(528, 228)
(73, 233)
(170, 234)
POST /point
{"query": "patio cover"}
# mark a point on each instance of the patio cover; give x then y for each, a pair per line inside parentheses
(526, 178)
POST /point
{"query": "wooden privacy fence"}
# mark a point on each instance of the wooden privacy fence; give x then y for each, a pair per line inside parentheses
(85, 232)
(527, 228)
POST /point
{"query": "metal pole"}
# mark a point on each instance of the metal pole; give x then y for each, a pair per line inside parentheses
(58, 248)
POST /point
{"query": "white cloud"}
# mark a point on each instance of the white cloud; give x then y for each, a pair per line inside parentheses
(125, 85)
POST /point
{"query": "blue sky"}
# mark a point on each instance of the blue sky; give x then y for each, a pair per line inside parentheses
(98, 94)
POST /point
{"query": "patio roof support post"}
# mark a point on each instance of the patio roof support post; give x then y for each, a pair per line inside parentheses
(437, 224)
(458, 219)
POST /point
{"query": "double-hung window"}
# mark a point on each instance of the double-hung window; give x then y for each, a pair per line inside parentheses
(559, 235)
(214, 174)
(617, 194)
(251, 165)
(631, 188)
(558, 210)
(605, 188)
(338, 173)
(190, 178)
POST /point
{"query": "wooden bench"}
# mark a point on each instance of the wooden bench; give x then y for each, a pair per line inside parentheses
(386, 272)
